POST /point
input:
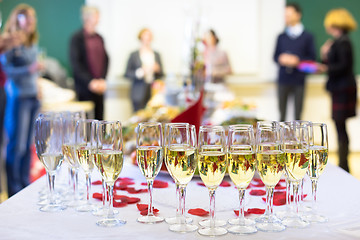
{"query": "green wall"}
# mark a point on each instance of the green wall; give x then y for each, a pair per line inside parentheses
(57, 20)
(314, 12)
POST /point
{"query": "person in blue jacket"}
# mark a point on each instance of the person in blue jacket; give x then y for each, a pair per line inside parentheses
(21, 67)
(292, 47)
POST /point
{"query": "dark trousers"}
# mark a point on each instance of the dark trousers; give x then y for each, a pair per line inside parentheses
(284, 91)
(343, 141)
(98, 101)
(19, 122)
(2, 114)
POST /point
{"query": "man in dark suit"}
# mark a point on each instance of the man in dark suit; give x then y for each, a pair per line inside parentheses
(89, 61)
(292, 47)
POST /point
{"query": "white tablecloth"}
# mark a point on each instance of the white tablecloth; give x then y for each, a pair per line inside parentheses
(338, 198)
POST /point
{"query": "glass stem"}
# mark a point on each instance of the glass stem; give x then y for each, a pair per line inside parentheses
(296, 197)
(242, 206)
(76, 178)
(150, 189)
(182, 193)
(178, 196)
(104, 195)
(269, 201)
(212, 208)
(88, 187)
(288, 195)
(51, 181)
(302, 191)
(111, 206)
(314, 191)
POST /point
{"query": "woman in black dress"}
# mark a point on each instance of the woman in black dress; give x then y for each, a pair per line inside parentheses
(337, 54)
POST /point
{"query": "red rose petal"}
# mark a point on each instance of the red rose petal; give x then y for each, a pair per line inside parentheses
(121, 187)
(132, 190)
(132, 200)
(157, 184)
(255, 211)
(236, 212)
(200, 184)
(97, 196)
(120, 197)
(279, 187)
(117, 204)
(257, 180)
(225, 184)
(198, 212)
(98, 182)
(141, 207)
(257, 192)
(282, 180)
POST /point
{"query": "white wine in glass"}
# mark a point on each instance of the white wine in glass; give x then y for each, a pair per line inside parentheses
(149, 156)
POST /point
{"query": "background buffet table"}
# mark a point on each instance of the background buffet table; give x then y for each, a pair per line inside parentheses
(20, 218)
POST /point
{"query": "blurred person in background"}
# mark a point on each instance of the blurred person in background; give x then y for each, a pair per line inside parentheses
(143, 67)
(89, 61)
(337, 54)
(292, 47)
(21, 68)
(217, 64)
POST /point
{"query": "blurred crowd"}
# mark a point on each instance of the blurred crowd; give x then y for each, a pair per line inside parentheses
(20, 65)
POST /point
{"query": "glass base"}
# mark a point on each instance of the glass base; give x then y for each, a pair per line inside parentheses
(46, 201)
(206, 223)
(110, 222)
(183, 228)
(242, 222)
(75, 203)
(315, 218)
(103, 212)
(86, 208)
(268, 223)
(295, 222)
(150, 219)
(52, 208)
(177, 220)
(212, 232)
(284, 214)
(242, 229)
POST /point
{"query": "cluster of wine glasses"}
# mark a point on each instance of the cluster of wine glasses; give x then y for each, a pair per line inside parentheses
(83, 143)
(292, 148)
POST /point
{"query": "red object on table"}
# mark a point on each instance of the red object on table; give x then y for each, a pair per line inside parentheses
(257, 192)
(157, 184)
(251, 211)
(225, 184)
(98, 182)
(143, 208)
(198, 212)
(193, 114)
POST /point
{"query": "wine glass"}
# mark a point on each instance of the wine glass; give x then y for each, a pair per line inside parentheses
(212, 166)
(241, 168)
(296, 148)
(48, 142)
(176, 219)
(271, 163)
(109, 161)
(69, 151)
(317, 163)
(85, 141)
(181, 162)
(149, 156)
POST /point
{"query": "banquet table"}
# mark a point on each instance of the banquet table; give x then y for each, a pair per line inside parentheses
(338, 199)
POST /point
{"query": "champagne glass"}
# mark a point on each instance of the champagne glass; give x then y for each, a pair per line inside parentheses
(69, 151)
(181, 161)
(85, 141)
(149, 156)
(48, 142)
(271, 163)
(176, 219)
(212, 165)
(242, 166)
(296, 148)
(317, 163)
(109, 161)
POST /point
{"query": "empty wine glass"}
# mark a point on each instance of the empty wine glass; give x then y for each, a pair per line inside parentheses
(212, 166)
(317, 163)
(181, 162)
(109, 160)
(271, 164)
(48, 142)
(241, 168)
